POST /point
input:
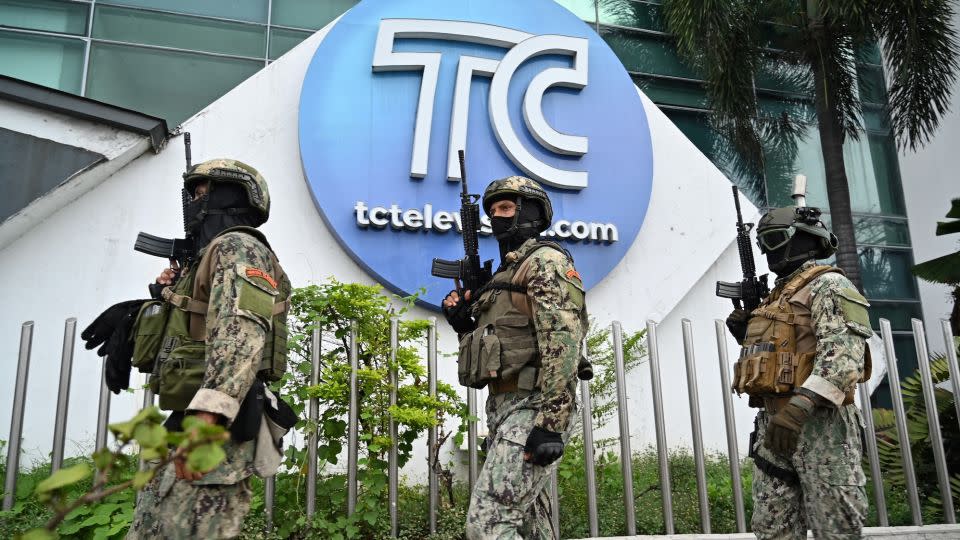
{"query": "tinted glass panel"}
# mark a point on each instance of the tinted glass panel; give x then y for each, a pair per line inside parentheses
(282, 40)
(886, 273)
(776, 74)
(308, 14)
(876, 119)
(62, 17)
(899, 314)
(871, 230)
(869, 54)
(244, 10)
(872, 86)
(632, 14)
(155, 82)
(581, 8)
(668, 92)
(179, 31)
(783, 164)
(50, 61)
(646, 54)
(873, 175)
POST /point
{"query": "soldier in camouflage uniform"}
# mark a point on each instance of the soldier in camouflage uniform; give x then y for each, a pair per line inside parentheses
(235, 283)
(807, 442)
(521, 337)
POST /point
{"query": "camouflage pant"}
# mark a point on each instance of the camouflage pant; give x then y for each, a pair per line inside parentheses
(510, 499)
(830, 498)
(172, 509)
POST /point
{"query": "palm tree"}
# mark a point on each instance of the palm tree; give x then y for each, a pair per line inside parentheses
(817, 45)
(946, 269)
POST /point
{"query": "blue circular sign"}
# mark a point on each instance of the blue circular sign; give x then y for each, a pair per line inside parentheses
(526, 88)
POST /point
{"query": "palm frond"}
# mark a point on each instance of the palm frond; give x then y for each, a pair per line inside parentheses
(945, 269)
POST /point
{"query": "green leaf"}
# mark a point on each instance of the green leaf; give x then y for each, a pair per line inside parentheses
(102, 458)
(123, 430)
(64, 477)
(142, 477)
(150, 435)
(370, 516)
(38, 534)
(149, 454)
(205, 458)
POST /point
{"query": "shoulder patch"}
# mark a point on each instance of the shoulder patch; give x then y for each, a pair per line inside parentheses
(257, 273)
(572, 273)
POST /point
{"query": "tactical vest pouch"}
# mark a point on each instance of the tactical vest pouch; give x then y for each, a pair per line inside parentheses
(149, 326)
(181, 375)
(273, 364)
(518, 345)
(479, 356)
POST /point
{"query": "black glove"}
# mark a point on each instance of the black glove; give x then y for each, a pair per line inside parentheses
(784, 428)
(544, 446)
(737, 324)
(459, 316)
(106, 323)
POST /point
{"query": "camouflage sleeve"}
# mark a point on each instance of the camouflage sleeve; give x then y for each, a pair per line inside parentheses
(238, 317)
(557, 298)
(841, 325)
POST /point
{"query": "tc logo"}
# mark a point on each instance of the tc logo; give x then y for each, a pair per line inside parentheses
(521, 47)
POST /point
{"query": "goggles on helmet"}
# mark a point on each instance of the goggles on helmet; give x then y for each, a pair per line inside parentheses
(773, 239)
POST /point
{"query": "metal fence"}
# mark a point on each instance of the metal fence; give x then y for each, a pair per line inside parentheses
(920, 339)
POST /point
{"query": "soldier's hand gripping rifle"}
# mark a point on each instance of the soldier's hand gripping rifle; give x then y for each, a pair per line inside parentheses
(751, 289)
(180, 250)
(467, 272)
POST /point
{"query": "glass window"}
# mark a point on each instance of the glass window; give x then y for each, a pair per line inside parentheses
(45, 15)
(781, 166)
(898, 313)
(872, 86)
(51, 61)
(243, 10)
(634, 14)
(775, 73)
(581, 8)
(308, 14)
(875, 230)
(869, 53)
(876, 119)
(282, 40)
(645, 53)
(697, 128)
(886, 273)
(179, 31)
(171, 85)
(669, 92)
(873, 175)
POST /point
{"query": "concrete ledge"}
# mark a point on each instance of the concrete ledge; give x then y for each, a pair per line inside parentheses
(926, 532)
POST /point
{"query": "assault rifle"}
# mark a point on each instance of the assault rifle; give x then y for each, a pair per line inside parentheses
(181, 250)
(751, 289)
(467, 272)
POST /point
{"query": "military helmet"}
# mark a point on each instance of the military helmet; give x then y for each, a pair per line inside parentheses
(518, 186)
(778, 227)
(236, 172)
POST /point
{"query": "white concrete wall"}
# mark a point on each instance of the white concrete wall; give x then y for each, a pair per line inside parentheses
(930, 181)
(80, 260)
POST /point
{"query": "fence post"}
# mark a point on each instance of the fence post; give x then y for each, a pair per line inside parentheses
(316, 344)
(951, 352)
(870, 437)
(353, 419)
(63, 394)
(103, 410)
(432, 434)
(472, 457)
(733, 452)
(269, 490)
(16, 418)
(626, 455)
(589, 460)
(933, 420)
(694, 399)
(893, 378)
(653, 351)
(393, 473)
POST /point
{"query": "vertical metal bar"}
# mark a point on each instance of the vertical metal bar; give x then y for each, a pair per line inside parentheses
(653, 350)
(893, 378)
(698, 457)
(933, 420)
(63, 393)
(314, 414)
(269, 489)
(596, 13)
(432, 442)
(626, 455)
(16, 418)
(554, 503)
(266, 53)
(589, 461)
(870, 437)
(733, 452)
(472, 458)
(352, 423)
(103, 411)
(393, 473)
(147, 402)
(951, 351)
(88, 42)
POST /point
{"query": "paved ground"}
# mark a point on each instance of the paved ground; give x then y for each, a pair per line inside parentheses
(928, 532)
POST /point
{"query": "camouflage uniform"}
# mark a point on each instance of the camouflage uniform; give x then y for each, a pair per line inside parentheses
(509, 499)
(830, 498)
(215, 505)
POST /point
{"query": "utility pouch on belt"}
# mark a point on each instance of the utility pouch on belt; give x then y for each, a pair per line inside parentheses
(497, 351)
(181, 375)
(148, 334)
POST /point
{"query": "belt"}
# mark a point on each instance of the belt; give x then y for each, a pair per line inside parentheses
(502, 386)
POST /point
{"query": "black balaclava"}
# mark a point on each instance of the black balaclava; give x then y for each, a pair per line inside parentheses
(800, 243)
(225, 205)
(512, 232)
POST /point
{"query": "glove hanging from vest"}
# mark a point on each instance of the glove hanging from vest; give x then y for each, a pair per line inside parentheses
(112, 329)
(785, 426)
(544, 446)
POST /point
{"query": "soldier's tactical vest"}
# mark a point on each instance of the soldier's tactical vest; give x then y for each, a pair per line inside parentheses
(504, 348)
(169, 335)
(780, 344)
